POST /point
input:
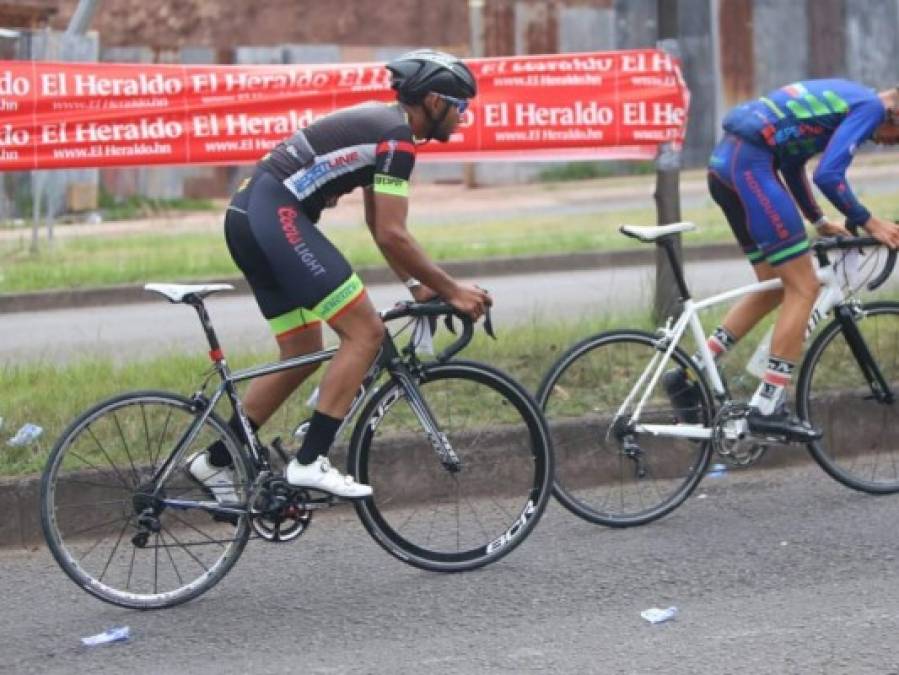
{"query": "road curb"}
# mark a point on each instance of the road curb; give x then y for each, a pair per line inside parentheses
(134, 293)
(20, 526)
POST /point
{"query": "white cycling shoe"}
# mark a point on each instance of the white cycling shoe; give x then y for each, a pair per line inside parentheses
(320, 475)
(219, 480)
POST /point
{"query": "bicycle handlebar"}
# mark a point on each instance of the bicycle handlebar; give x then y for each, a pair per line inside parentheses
(825, 244)
(436, 308)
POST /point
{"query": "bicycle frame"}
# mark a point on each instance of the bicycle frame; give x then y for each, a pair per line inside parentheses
(689, 319)
(388, 360)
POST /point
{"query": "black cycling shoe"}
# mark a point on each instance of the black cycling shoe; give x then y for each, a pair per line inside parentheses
(781, 426)
(683, 394)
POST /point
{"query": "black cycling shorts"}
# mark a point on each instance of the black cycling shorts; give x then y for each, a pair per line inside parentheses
(298, 277)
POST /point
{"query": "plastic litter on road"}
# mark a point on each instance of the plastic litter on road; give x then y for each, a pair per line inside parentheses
(702, 496)
(27, 434)
(111, 635)
(716, 470)
(656, 615)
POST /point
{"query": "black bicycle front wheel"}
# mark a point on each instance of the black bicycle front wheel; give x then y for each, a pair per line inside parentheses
(97, 483)
(442, 519)
(597, 477)
(860, 447)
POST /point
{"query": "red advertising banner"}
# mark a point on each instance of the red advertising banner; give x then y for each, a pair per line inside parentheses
(613, 105)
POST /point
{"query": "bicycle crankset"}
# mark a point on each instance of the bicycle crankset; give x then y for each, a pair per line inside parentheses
(279, 510)
(731, 439)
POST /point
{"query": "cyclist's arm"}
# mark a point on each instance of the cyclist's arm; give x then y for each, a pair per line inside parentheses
(830, 176)
(795, 177)
(368, 197)
(402, 252)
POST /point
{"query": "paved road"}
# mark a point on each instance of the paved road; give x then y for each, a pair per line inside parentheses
(773, 572)
(155, 327)
(143, 330)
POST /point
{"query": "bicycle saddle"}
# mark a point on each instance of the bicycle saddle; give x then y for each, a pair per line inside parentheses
(649, 233)
(177, 292)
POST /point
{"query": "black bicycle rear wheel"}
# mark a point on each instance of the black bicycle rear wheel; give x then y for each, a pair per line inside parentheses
(597, 478)
(860, 447)
(97, 482)
(431, 517)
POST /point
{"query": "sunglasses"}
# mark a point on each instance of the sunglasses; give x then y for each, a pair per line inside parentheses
(460, 103)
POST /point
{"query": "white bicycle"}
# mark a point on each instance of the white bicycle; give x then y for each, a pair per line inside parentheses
(625, 458)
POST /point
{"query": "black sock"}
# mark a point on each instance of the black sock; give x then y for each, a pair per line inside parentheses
(218, 453)
(318, 440)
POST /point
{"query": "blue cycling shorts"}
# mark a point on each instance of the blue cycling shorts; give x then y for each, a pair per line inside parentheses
(744, 182)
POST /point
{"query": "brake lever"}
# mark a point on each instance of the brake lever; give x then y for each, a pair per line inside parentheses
(488, 324)
(448, 322)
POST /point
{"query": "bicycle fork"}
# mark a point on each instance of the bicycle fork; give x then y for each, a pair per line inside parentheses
(438, 440)
(847, 316)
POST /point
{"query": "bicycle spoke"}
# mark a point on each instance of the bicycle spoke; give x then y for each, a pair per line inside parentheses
(186, 550)
(63, 479)
(103, 450)
(172, 560)
(195, 529)
(130, 568)
(104, 524)
(114, 549)
(134, 473)
(103, 472)
(165, 429)
(143, 415)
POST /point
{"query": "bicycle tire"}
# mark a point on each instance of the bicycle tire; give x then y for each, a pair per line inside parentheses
(106, 454)
(832, 392)
(580, 395)
(494, 501)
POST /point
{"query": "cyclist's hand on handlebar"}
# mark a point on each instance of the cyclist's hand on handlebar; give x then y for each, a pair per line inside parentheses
(832, 229)
(883, 231)
(471, 300)
(422, 293)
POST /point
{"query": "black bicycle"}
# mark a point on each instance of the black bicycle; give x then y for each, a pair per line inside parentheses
(457, 453)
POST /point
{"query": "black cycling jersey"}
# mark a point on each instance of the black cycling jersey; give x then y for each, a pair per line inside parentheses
(366, 145)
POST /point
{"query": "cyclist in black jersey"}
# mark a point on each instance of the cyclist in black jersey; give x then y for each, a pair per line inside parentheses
(300, 279)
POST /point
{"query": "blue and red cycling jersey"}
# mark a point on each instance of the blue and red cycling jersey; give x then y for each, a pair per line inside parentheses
(804, 119)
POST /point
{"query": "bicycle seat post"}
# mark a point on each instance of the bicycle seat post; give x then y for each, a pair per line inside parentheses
(667, 244)
(215, 350)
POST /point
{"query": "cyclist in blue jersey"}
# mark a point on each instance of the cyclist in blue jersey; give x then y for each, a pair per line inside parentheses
(300, 279)
(757, 176)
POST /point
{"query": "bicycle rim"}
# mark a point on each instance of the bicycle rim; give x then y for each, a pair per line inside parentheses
(860, 447)
(595, 477)
(95, 484)
(435, 519)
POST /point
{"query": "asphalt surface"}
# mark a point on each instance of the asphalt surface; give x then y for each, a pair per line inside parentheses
(156, 327)
(771, 571)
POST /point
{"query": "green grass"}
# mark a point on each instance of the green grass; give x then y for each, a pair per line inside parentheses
(136, 206)
(51, 395)
(109, 259)
(87, 261)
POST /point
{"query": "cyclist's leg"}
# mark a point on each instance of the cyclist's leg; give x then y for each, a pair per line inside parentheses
(300, 278)
(361, 332)
(750, 309)
(265, 394)
(776, 227)
(249, 221)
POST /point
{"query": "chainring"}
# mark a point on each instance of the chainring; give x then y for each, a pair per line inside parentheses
(742, 450)
(287, 521)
